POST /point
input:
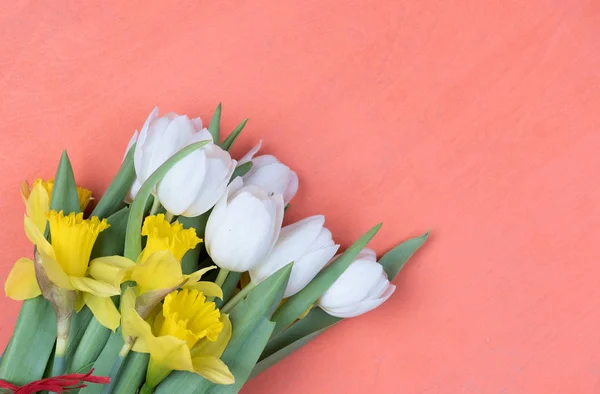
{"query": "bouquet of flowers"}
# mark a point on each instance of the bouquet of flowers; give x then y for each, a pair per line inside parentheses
(181, 279)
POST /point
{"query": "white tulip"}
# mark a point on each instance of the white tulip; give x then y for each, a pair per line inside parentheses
(243, 226)
(308, 244)
(270, 174)
(361, 288)
(196, 182)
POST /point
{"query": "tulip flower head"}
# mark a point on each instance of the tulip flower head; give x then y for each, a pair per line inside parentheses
(361, 288)
(196, 182)
(243, 226)
(308, 244)
(270, 174)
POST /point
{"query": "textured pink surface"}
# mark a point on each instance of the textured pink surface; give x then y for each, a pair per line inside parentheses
(476, 119)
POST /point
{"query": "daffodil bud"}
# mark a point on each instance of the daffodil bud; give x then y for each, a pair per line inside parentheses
(361, 288)
(308, 244)
(243, 226)
(270, 174)
(196, 182)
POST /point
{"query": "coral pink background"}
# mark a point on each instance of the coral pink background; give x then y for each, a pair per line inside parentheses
(477, 119)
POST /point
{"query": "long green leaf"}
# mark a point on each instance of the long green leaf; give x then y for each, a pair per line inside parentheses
(133, 240)
(246, 317)
(229, 288)
(307, 329)
(394, 260)
(189, 263)
(117, 190)
(105, 360)
(111, 242)
(230, 140)
(215, 125)
(133, 373)
(317, 321)
(300, 302)
(64, 193)
(241, 170)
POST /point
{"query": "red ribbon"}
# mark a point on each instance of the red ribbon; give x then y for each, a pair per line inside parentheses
(57, 384)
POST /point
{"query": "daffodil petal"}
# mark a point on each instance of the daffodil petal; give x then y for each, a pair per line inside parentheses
(205, 347)
(110, 269)
(21, 283)
(160, 271)
(170, 352)
(213, 369)
(54, 271)
(37, 237)
(93, 286)
(37, 206)
(209, 289)
(196, 276)
(104, 310)
(140, 346)
(79, 301)
(132, 323)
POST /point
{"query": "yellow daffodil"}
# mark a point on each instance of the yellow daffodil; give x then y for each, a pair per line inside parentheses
(188, 334)
(64, 261)
(85, 195)
(163, 235)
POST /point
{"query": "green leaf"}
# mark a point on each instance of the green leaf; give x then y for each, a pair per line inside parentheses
(117, 190)
(64, 193)
(247, 317)
(228, 288)
(189, 263)
(317, 321)
(394, 260)
(300, 302)
(106, 360)
(241, 170)
(79, 324)
(230, 140)
(133, 240)
(35, 329)
(132, 374)
(111, 242)
(302, 332)
(215, 125)
(89, 346)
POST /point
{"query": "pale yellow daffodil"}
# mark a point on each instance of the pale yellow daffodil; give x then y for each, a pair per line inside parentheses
(187, 334)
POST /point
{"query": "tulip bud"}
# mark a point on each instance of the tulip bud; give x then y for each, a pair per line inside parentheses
(243, 226)
(270, 174)
(196, 182)
(362, 287)
(308, 244)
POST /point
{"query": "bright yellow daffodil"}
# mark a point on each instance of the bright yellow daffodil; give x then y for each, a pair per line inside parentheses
(188, 334)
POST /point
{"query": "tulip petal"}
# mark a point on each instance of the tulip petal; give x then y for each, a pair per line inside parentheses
(21, 283)
(37, 237)
(213, 369)
(353, 285)
(307, 267)
(38, 205)
(93, 286)
(209, 289)
(294, 240)
(176, 191)
(250, 155)
(104, 310)
(360, 307)
(292, 187)
(110, 269)
(159, 271)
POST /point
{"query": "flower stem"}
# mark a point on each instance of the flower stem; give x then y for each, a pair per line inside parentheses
(238, 297)
(63, 326)
(146, 389)
(169, 216)
(155, 206)
(221, 277)
(116, 368)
